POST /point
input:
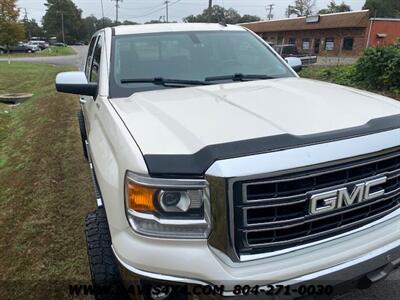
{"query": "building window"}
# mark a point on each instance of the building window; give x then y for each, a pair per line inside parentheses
(306, 44)
(329, 44)
(292, 41)
(348, 43)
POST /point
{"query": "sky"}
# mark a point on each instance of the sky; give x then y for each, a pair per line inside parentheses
(145, 10)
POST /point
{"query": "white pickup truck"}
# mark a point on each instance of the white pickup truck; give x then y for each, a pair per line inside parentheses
(215, 165)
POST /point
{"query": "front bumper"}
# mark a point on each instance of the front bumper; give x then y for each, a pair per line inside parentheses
(368, 255)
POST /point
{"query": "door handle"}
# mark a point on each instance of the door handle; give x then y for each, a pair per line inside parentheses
(82, 100)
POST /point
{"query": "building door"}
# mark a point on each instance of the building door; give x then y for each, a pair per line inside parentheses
(317, 43)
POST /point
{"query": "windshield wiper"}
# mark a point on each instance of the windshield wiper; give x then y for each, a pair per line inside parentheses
(165, 81)
(238, 77)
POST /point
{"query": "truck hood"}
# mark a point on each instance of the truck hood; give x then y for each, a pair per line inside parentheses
(185, 120)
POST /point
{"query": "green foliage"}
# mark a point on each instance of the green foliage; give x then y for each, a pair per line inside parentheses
(11, 31)
(76, 28)
(301, 8)
(32, 28)
(335, 8)
(343, 75)
(383, 8)
(380, 67)
(219, 14)
(67, 10)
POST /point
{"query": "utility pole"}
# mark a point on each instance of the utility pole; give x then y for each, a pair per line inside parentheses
(26, 20)
(210, 4)
(62, 24)
(116, 9)
(166, 10)
(269, 9)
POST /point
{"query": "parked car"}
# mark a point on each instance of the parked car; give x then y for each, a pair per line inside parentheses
(41, 44)
(291, 51)
(214, 163)
(59, 44)
(34, 48)
(20, 47)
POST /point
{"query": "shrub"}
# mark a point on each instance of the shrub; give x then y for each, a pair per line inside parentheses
(339, 74)
(379, 67)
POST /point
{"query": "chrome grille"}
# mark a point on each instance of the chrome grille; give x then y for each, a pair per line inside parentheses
(272, 214)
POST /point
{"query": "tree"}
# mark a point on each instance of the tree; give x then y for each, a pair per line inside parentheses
(32, 28)
(219, 14)
(126, 22)
(249, 18)
(92, 24)
(11, 31)
(57, 10)
(301, 8)
(383, 8)
(335, 8)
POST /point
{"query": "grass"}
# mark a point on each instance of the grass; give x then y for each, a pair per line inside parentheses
(51, 51)
(45, 187)
(342, 75)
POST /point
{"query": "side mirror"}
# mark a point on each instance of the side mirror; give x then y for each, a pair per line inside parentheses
(295, 63)
(75, 83)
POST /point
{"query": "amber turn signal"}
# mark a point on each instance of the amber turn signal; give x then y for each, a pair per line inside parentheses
(140, 198)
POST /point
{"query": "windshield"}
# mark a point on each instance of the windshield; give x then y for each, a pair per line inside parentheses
(194, 56)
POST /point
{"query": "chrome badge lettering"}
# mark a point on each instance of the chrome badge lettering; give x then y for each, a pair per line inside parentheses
(328, 201)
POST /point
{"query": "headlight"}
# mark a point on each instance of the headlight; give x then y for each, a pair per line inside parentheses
(171, 208)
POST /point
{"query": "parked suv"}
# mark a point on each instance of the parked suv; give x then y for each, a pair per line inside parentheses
(20, 47)
(215, 164)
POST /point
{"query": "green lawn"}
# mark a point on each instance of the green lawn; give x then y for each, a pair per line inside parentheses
(51, 51)
(45, 187)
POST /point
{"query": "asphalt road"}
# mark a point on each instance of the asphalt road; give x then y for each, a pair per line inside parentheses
(388, 289)
(76, 60)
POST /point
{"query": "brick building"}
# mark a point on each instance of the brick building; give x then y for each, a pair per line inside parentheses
(339, 34)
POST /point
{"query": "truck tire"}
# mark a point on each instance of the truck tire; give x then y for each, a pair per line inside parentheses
(82, 129)
(104, 271)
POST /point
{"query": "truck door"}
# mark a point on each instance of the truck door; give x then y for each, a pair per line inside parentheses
(86, 100)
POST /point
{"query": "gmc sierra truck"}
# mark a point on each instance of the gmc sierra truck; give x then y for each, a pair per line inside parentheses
(215, 165)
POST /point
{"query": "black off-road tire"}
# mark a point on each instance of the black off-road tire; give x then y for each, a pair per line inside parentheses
(106, 278)
(82, 129)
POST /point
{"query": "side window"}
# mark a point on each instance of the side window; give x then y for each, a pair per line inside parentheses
(329, 43)
(89, 56)
(348, 43)
(95, 68)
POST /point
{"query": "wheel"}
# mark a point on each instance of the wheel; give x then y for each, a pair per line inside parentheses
(103, 267)
(29, 51)
(2, 51)
(82, 129)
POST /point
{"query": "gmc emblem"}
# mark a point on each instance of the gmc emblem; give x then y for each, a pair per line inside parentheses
(328, 201)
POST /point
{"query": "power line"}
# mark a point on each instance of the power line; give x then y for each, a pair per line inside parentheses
(156, 10)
